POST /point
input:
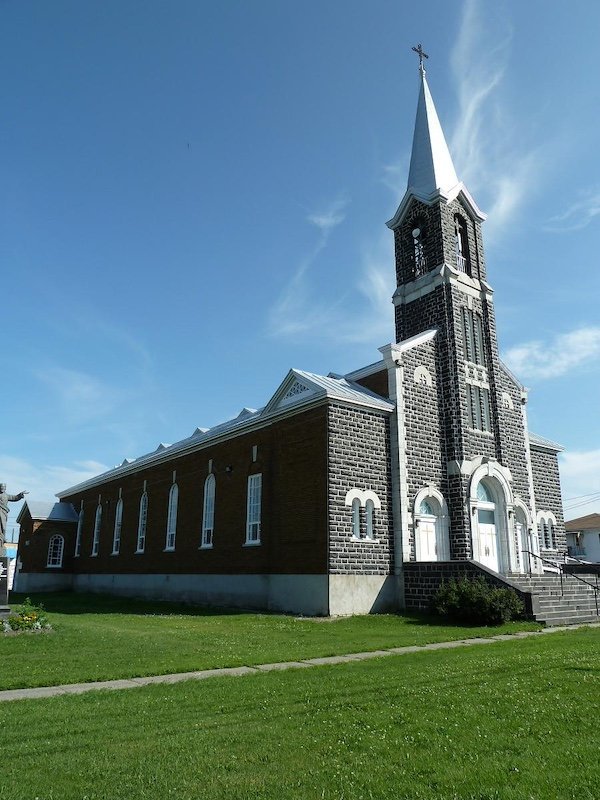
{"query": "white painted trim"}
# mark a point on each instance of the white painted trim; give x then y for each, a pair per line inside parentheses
(392, 355)
(362, 495)
(187, 446)
(504, 507)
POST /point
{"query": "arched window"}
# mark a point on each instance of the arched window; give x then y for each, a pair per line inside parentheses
(208, 513)
(56, 546)
(117, 531)
(356, 518)
(426, 509)
(79, 532)
(551, 536)
(461, 245)
(97, 526)
(370, 519)
(432, 540)
(418, 250)
(172, 518)
(253, 509)
(142, 524)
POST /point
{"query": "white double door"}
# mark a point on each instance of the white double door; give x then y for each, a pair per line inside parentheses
(488, 546)
(431, 540)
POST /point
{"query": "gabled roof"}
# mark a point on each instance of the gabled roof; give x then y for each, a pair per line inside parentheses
(298, 390)
(41, 510)
(431, 176)
(590, 522)
(300, 387)
(544, 444)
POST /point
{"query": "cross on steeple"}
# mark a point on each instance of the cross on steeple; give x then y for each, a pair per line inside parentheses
(422, 54)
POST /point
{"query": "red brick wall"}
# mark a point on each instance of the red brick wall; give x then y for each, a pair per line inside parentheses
(292, 456)
(33, 544)
(377, 383)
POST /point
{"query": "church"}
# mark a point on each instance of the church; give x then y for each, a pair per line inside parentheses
(344, 494)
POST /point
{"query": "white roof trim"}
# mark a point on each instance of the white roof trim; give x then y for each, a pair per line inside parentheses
(445, 197)
(320, 389)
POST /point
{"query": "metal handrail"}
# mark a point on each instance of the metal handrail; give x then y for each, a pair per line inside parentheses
(561, 572)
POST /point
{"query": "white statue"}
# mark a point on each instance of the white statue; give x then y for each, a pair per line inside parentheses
(5, 499)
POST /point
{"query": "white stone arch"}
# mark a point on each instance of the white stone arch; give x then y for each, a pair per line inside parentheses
(525, 538)
(363, 495)
(423, 376)
(368, 500)
(423, 523)
(492, 549)
(546, 521)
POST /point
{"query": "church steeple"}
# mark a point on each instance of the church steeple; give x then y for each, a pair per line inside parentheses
(431, 169)
(432, 177)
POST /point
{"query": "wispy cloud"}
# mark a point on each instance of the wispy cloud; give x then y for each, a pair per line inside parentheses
(540, 360)
(580, 479)
(331, 217)
(297, 309)
(43, 481)
(578, 215)
(79, 395)
(489, 155)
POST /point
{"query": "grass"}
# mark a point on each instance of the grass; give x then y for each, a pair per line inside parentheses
(513, 721)
(99, 637)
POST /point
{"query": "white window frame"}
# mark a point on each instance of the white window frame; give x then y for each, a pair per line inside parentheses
(77, 552)
(97, 527)
(208, 513)
(253, 510)
(142, 523)
(116, 547)
(55, 553)
(172, 519)
(370, 519)
(356, 504)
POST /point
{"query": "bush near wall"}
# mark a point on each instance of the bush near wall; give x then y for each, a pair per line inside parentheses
(475, 601)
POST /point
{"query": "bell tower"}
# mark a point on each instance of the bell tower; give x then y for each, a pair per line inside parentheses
(442, 288)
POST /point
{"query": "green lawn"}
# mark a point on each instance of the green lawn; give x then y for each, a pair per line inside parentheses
(99, 637)
(512, 721)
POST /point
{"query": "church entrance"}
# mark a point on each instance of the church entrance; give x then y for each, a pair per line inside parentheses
(489, 527)
(522, 542)
(431, 539)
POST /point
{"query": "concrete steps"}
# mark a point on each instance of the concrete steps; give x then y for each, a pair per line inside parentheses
(570, 604)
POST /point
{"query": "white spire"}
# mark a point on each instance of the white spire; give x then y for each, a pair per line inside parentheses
(431, 169)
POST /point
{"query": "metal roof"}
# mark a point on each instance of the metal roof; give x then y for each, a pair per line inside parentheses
(317, 387)
(431, 168)
(49, 510)
(547, 444)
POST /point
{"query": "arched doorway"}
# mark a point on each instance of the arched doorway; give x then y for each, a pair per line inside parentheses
(486, 528)
(523, 545)
(431, 527)
(490, 502)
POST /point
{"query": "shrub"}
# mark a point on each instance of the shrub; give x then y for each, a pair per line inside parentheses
(475, 601)
(28, 617)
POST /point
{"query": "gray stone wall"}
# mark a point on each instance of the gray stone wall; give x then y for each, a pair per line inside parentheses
(546, 485)
(422, 580)
(424, 427)
(359, 458)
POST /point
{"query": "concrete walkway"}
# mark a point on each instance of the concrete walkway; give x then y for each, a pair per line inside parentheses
(131, 683)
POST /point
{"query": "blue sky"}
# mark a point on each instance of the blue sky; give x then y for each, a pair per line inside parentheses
(193, 201)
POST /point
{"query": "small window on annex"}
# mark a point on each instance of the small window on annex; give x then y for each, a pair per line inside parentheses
(55, 551)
